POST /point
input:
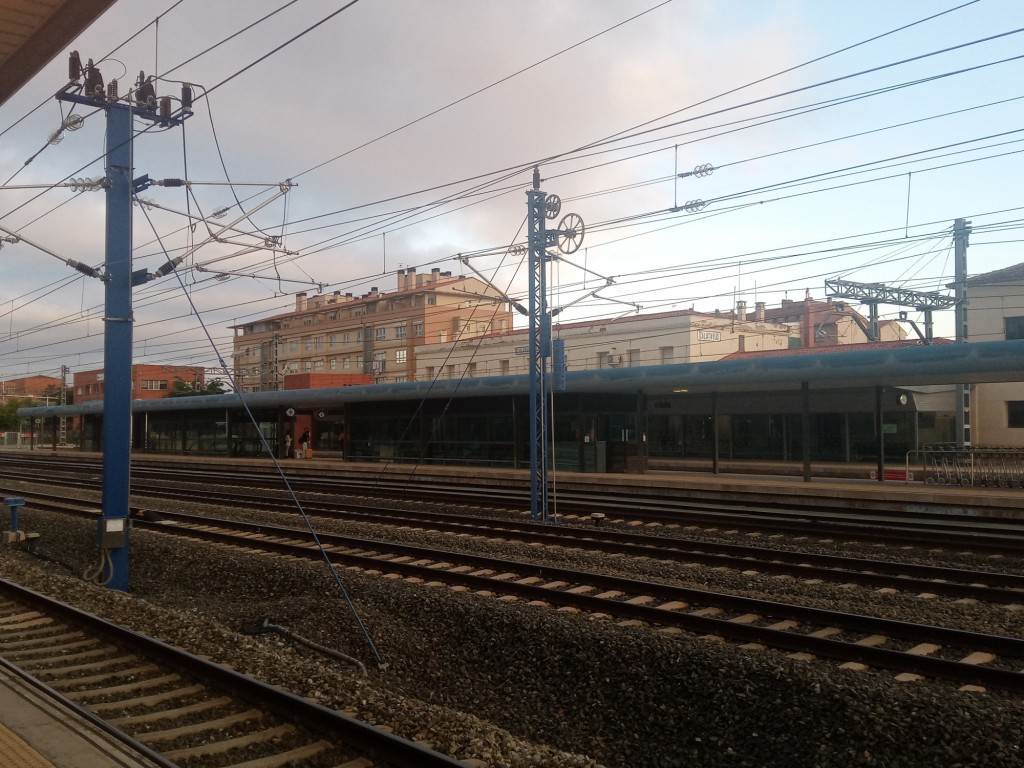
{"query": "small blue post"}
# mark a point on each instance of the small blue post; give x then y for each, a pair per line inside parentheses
(12, 503)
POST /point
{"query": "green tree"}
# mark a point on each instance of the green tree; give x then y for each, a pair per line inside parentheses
(9, 413)
(192, 389)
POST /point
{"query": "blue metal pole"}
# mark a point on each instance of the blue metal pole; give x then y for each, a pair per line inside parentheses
(117, 346)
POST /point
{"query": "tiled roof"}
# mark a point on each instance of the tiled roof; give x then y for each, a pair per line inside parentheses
(1014, 274)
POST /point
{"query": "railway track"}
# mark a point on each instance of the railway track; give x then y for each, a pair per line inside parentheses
(940, 530)
(964, 657)
(909, 649)
(988, 586)
(178, 709)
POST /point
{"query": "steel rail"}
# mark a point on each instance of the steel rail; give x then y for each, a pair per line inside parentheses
(845, 651)
(398, 751)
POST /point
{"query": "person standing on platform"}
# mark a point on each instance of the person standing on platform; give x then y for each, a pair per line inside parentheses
(288, 445)
(305, 452)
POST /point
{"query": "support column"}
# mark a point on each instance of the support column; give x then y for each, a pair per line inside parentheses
(961, 230)
(714, 433)
(805, 427)
(880, 428)
(117, 347)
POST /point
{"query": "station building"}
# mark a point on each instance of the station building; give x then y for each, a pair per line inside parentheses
(649, 391)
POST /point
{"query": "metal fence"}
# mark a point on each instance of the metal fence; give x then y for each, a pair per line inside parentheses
(985, 467)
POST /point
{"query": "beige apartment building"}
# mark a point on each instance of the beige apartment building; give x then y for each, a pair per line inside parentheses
(662, 338)
(995, 311)
(377, 333)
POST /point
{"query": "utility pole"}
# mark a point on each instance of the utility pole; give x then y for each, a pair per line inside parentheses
(64, 401)
(113, 534)
(961, 233)
(540, 340)
(568, 237)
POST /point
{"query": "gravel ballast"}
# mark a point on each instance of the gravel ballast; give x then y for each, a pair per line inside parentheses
(516, 685)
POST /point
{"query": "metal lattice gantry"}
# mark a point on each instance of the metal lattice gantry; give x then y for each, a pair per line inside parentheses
(568, 238)
(874, 294)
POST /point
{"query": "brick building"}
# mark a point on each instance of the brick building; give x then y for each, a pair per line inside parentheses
(28, 387)
(149, 382)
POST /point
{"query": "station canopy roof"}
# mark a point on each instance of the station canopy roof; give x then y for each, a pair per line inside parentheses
(32, 32)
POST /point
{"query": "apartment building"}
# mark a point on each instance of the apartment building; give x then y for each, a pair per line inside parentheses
(683, 336)
(376, 334)
(995, 311)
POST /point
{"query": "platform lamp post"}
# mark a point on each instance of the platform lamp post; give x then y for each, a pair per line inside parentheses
(86, 87)
(568, 238)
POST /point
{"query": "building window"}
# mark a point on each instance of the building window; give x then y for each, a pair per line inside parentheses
(503, 367)
(346, 338)
(417, 329)
(634, 357)
(346, 363)
(293, 345)
(442, 337)
(332, 341)
(380, 334)
(154, 385)
(667, 355)
(431, 300)
(1015, 414)
(401, 379)
(307, 321)
(400, 331)
(1014, 327)
(359, 336)
(602, 359)
(334, 363)
(318, 342)
(307, 366)
(400, 356)
(318, 365)
(307, 344)
(449, 371)
(430, 372)
(471, 370)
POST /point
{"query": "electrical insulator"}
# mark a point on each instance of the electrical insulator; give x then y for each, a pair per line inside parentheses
(112, 90)
(74, 66)
(145, 93)
(186, 96)
(93, 81)
(165, 106)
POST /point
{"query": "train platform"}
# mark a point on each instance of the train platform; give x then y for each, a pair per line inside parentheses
(37, 732)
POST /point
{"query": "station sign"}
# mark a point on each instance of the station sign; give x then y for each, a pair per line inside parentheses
(709, 335)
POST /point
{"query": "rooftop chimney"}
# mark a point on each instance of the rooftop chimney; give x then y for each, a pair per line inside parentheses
(759, 311)
(741, 310)
(300, 301)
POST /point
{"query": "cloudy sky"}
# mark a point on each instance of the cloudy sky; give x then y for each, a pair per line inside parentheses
(845, 138)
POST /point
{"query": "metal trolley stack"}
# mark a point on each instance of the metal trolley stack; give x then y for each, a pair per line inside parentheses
(986, 467)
